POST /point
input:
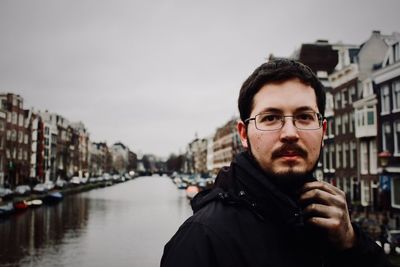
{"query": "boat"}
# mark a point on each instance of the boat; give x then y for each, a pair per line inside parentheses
(34, 203)
(53, 197)
(6, 209)
(20, 205)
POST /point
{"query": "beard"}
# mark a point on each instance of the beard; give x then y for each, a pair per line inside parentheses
(290, 180)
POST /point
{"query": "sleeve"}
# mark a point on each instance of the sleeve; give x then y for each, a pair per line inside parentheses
(365, 253)
(195, 245)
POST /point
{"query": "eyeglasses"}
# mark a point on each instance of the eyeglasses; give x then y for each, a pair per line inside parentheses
(267, 121)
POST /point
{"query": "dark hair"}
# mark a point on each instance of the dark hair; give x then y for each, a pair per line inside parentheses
(278, 70)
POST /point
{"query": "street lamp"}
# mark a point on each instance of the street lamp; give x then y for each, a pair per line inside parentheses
(384, 158)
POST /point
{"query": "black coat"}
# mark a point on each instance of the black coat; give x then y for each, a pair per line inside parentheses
(246, 221)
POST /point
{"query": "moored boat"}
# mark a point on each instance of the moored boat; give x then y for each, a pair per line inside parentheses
(54, 197)
(34, 203)
(6, 209)
(20, 205)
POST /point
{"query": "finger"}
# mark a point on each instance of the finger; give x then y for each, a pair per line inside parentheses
(326, 223)
(321, 211)
(322, 197)
(327, 187)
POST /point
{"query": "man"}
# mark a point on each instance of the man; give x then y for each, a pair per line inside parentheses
(267, 209)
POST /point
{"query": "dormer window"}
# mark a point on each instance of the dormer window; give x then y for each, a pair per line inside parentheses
(396, 52)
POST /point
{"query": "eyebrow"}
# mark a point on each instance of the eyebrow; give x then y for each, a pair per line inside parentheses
(299, 109)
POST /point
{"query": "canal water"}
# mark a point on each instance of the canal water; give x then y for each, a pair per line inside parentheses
(126, 224)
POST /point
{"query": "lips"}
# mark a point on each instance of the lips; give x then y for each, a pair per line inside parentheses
(290, 154)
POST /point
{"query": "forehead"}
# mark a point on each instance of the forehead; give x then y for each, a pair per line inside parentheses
(287, 96)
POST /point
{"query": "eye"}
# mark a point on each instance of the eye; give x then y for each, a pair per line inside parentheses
(305, 117)
(269, 118)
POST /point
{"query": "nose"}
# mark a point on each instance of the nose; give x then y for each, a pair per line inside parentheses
(289, 132)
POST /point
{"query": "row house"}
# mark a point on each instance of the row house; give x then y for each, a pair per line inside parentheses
(343, 151)
(37, 147)
(132, 161)
(349, 157)
(82, 148)
(66, 147)
(191, 156)
(100, 160)
(3, 120)
(120, 157)
(371, 55)
(226, 145)
(386, 81)
(16, 144)
(199, 152)
(210, 153)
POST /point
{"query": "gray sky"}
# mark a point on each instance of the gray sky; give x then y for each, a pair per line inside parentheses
(152, 73)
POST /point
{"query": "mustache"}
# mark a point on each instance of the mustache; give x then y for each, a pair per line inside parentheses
(285, 148)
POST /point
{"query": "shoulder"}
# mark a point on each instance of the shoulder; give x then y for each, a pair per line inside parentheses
(196, 243)
(205, 239)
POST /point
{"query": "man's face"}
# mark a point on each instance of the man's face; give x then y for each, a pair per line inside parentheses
(288, 151)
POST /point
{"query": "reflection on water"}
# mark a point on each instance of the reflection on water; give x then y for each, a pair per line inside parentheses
(123, 225)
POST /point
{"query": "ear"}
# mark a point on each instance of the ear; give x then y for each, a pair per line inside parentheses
(324, 128)
(242, 129)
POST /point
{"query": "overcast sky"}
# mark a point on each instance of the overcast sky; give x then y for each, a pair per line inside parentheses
(153, 73)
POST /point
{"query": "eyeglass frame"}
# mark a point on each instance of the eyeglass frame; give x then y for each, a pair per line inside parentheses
(319, 115)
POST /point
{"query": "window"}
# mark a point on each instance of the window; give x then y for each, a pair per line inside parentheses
(351, 124)
(8, 135)
(20, 154)
(396, 51)
(395, 192)
(337, 125)
(20, 136)
(325, 160)
(8, 154)
(396, 96)
(365, 193)
(13, 135)
(396, 127)
(386, 140)
(370, 116)
(331, 154)
(329, 101)
(21, 120)
(2, 126)
(385, 101)
(331, 132)
(345, 149)
(26, 139)
(338, 154)
(352, 94)
(337, 100)
(9, 117)
(14, 118)
(345, 121)
(353, 154)
(364, 158)
(373, 158)
(1, 144)
(344, 101)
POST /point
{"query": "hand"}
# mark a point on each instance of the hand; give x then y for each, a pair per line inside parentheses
(325, 207)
